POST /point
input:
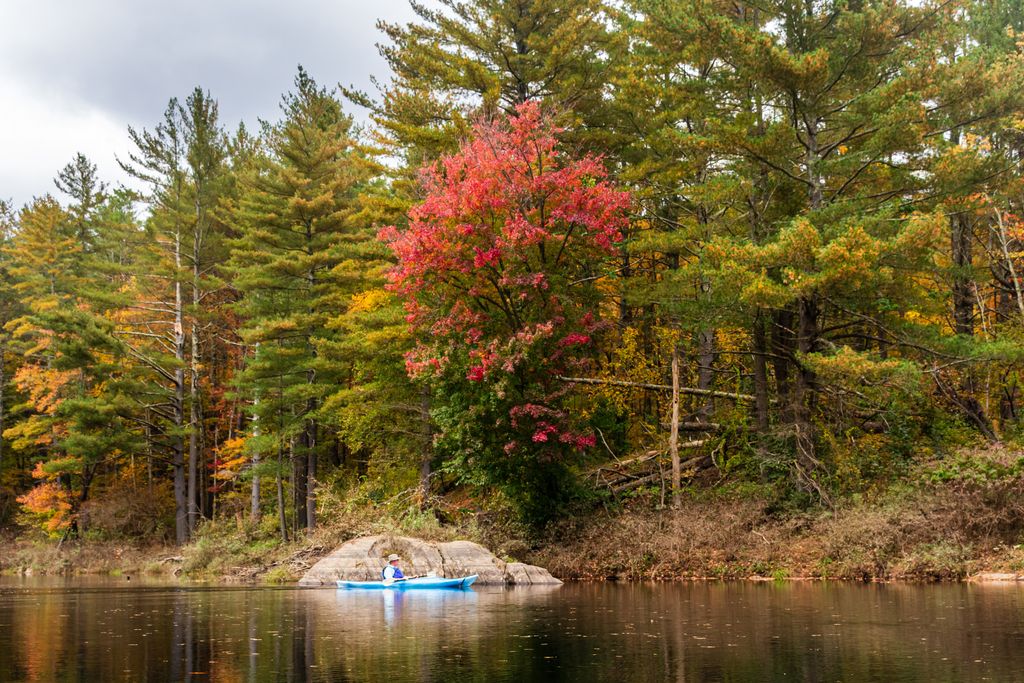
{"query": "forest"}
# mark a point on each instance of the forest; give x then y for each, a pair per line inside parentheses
(582, 253)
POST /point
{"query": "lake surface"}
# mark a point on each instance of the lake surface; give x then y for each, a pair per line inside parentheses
(52, 630)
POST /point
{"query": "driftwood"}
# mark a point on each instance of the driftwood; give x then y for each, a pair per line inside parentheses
(650, 455)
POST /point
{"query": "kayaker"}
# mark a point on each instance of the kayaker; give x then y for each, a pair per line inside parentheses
(392, 571)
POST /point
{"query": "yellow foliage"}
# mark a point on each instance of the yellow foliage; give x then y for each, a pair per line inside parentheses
(632, 362)
(370, 300)
(231, 459)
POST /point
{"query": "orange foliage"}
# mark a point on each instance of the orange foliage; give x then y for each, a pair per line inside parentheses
(44, 387)
(51, 504)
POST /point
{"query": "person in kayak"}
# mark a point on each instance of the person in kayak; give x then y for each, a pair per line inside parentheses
(392, 571)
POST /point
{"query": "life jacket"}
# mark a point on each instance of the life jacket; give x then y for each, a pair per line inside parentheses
(396, 573)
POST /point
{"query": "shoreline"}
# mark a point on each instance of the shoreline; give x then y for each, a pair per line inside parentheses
(169, 579)
(163, 566)
(964, 529)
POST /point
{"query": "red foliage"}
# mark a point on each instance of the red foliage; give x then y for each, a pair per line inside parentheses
(499, 260)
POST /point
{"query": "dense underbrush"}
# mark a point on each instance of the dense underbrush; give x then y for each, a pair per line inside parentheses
(946, 520)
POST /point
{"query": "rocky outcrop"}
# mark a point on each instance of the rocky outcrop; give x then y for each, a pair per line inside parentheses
(362, 559)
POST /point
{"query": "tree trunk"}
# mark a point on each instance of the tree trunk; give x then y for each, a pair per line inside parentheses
(1008, 404)
(88, 473)
(280, 493)
(807, 329)
(803, 385)
(254, 492)
(299, 477)
(964, 299)
(673, 439)
(181, 499)
(782, 338)
(311, 446)
(963, 284)
(193, 441)
(195, 423)
(426, 457)
(705, 371)
(706, 336)
(759, 332)
(760, 350)
(305, 465)
(207, 490)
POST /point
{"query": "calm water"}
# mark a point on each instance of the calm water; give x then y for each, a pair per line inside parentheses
(115, 631)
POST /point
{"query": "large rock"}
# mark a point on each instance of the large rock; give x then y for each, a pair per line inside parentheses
(362, 559)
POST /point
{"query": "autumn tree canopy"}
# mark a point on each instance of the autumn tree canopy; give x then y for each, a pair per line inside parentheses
(575, 245)
(501, 267)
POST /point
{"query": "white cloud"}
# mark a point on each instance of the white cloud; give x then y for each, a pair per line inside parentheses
(74, 74)
(40, 132)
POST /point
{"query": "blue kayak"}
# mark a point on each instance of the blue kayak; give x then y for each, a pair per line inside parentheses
(409, 584)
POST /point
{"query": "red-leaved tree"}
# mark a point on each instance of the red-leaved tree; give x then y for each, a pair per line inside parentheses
(501, 268)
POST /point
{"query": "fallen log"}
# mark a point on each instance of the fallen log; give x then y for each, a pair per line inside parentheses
(650, 455)
(696, 426)
(691, 391)
(622, 486)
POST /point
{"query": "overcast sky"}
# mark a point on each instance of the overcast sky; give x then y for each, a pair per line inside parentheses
(74, 74)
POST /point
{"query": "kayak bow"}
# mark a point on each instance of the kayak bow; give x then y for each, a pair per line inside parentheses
(408, 584)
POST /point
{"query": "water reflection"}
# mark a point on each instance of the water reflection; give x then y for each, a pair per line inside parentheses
(429, 604)
(694, 632)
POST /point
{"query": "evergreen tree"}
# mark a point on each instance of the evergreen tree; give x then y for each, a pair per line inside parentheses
(153, 329)
(489, 56)
(71, 355)
(295, 264)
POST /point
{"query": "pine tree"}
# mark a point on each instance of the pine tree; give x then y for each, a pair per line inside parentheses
(840, 132)
(489, 56)
(71, 355)
(153, 329)
(296, 263)
(205, 157)
(382, 417)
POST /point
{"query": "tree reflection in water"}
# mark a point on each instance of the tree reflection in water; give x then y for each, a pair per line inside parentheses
(687, 632)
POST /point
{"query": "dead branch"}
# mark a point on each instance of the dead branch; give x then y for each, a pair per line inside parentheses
(658, 387)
